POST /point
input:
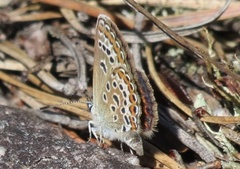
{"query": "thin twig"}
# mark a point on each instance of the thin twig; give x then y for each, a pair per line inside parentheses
(135, 46)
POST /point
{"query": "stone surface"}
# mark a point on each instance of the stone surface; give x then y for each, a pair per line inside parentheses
(29, 142)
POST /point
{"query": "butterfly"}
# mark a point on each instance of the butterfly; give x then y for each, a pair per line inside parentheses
(123, 106)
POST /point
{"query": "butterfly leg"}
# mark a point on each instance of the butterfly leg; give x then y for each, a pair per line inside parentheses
(92, 130)
(101, 137)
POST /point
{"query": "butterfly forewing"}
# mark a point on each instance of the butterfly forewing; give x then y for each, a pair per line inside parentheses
(118, 99)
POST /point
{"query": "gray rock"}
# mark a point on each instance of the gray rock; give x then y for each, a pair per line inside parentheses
(29, 142)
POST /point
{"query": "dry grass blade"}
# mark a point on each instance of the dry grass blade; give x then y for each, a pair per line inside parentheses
(90, 10)
(161, 158)
(46, 98)
(221, 119)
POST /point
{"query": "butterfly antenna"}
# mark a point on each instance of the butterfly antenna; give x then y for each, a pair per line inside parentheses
(64, 103)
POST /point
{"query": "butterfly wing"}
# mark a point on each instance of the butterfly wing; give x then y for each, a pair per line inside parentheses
(116, 102)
